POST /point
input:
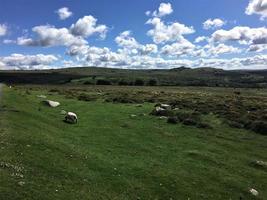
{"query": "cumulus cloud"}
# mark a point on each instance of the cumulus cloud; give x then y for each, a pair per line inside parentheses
(47, 35)
(244, 35)
(126, 41)
(131, 46)
(258, 7)
(20, 61)
(3, 30)
(162, 33)
(201, 39)
(64, 13)
(213, 23)
(184, 47)
(87, 26)
(221, 49)
(164, 9)
(50, 36)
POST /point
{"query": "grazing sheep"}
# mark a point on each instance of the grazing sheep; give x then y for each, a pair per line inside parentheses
(71, 118)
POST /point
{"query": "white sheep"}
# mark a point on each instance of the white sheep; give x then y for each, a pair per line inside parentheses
(71, 118)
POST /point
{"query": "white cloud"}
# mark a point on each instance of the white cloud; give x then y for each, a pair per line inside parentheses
(244, 35)
(162, 33)
(257, 48)
(221, 49)
(50, 36)
(213, 23)
(20, 61)
(47, 35)
(201, 39)
(258, 7)
(64, 13)
(184, 47)
(3, 30)
(131, 46)
(87, 26)
(164, 9)
(126, 41)
(148, 48)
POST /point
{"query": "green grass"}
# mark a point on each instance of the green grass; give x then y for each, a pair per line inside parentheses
(110, 155)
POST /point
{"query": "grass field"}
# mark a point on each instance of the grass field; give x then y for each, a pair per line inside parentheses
(111, 155)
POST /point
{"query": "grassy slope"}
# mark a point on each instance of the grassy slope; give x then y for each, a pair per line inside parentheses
(109, 155)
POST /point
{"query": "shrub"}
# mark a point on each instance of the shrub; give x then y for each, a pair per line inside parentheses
(259, 127)
(190, 122)
(172, 120)
(86, 97)
(139, 82)
(152, 82)
(88, 83)
(103, 82)
(123, 82)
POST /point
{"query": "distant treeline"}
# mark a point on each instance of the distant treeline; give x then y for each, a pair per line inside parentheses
(107, 76)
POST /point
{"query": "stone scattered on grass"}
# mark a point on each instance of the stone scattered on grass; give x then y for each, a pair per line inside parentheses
(52, 104)
(71, 118)
(253, 192)
(21, 183)
(163, 117)
(41, 96)
(259, 163)
(63, 112)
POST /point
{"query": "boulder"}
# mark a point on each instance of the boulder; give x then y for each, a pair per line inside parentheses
(253, 192)
(52, 104)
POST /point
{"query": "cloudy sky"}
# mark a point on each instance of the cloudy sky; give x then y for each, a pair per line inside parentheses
(228, 34)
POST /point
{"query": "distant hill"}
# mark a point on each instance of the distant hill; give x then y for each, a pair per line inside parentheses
(108, 76)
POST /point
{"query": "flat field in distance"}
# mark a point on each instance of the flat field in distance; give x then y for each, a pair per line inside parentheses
(117, 150)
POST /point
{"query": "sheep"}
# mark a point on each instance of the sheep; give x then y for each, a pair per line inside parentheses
(71, 118)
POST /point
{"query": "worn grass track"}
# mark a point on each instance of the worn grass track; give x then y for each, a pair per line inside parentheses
(109, 155)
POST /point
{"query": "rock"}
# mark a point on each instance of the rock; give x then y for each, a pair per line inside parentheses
(165, 106)
(21, 183)
(41, 96)
(260, 163)
(253, 192)
(133, 115)
(63, 112)
(71, 118)
(163, 117)
(52, 104)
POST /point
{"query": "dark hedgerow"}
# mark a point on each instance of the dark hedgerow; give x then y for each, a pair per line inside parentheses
(103, 82)
(152, 82)
(139, 82)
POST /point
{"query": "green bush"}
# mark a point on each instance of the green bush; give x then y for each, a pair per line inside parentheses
(103, 82)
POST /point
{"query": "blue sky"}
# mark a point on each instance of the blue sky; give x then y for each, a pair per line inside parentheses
(227, 34)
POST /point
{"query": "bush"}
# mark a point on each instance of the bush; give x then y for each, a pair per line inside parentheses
(259, 127)
(172, 120)
(88, 83)
(103, 82)
(123, 82)
(190, 122)
(152, 82)
(86, 97)
(139, 82)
